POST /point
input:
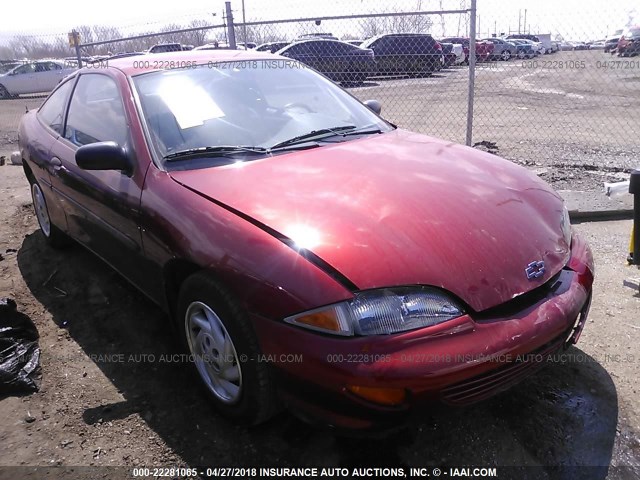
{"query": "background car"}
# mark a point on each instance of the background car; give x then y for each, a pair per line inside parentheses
(448, 55)
(411, 54)
(611, 43)
(503, 50)
(596, 45)
(629, 44)
(272, 47)
(543, 42)
(580, 46)
(484, 50)
(124, 55)
(168, 47)
(34, 77)
(523, 49)
(213, 46)
(340, 61)
(537, 47)
(318, 35)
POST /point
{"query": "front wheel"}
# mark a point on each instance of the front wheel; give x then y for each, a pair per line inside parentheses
(224, 351)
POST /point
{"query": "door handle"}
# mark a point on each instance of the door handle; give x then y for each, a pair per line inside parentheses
(55, 165)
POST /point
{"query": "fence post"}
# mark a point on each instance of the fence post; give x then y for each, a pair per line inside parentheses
(230, 26)
(244, 26)
(472, 71)
(76, 44)
(634, 189)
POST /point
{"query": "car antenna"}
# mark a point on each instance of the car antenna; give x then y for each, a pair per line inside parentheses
(26, 108)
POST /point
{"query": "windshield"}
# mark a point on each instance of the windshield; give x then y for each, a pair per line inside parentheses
(253, 103)
(632, 33)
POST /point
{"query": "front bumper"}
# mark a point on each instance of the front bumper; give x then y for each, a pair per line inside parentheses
(458, 362)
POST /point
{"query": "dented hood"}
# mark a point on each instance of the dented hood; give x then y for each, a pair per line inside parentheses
(403, 209)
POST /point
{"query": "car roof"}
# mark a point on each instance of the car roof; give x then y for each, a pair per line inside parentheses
(138, 65)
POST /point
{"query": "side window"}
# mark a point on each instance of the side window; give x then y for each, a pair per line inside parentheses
(26, 68)
(52, 112)
(96, 113)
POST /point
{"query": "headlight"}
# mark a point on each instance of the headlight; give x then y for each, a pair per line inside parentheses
(565, 223)
(381, 312)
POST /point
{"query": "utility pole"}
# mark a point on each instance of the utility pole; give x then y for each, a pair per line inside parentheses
(244, 26)
(525, 21)
(230, 27)
(472, 72)
(519, 20)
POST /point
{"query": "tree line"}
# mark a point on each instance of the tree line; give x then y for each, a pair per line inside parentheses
(57, 46)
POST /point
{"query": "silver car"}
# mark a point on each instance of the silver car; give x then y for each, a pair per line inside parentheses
(40, 76)
(503, 49)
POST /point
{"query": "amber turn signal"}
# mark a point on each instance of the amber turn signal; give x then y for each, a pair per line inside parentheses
(381, 396)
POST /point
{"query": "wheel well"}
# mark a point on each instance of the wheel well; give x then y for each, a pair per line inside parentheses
(28, 172)
(175, 272)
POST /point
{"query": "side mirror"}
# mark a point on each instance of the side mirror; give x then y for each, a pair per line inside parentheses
(374, 105)
(104, 156)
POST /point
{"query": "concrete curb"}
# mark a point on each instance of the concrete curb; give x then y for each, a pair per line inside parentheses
(586, 216)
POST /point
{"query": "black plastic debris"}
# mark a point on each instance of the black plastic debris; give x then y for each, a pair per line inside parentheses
(491, 147)
(19, 351)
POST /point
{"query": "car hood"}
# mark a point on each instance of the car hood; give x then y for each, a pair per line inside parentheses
(403, 209)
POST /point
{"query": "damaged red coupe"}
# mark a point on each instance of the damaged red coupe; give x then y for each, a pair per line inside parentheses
(310, 253)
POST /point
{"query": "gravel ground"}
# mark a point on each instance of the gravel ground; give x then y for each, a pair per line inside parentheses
(92, 411)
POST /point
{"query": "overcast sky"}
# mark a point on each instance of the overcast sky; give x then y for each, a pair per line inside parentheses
(574, 19)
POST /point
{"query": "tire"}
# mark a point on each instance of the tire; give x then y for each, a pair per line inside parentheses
(521, 55)
(51, 233)
(217, 332)
(505, 56)
(4, 93)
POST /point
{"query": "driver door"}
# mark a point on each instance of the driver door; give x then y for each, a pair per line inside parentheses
(102, 206)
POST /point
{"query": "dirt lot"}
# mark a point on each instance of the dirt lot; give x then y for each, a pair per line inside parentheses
(94, 411)
(583, 411)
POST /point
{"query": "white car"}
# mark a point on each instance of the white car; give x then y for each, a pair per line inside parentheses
(458, 49)
(40, 76)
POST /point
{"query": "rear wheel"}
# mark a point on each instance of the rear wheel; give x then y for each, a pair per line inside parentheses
(52, 234)
(225, 352)
(506, 55)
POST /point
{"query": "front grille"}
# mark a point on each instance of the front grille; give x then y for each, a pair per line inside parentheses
(490, 383)
(524, 301)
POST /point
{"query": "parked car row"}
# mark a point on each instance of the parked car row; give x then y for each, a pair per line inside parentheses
(411, 54)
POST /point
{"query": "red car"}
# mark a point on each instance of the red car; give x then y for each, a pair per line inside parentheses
(311, 253)
(629, 43)
(484, 48)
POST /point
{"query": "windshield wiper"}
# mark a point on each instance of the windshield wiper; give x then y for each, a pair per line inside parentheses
(214, 151)
(363, 131)
(323, 132)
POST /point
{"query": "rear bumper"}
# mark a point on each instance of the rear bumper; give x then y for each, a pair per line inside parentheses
(458, 362)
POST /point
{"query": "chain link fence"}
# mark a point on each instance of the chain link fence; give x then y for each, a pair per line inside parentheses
(553, 87)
